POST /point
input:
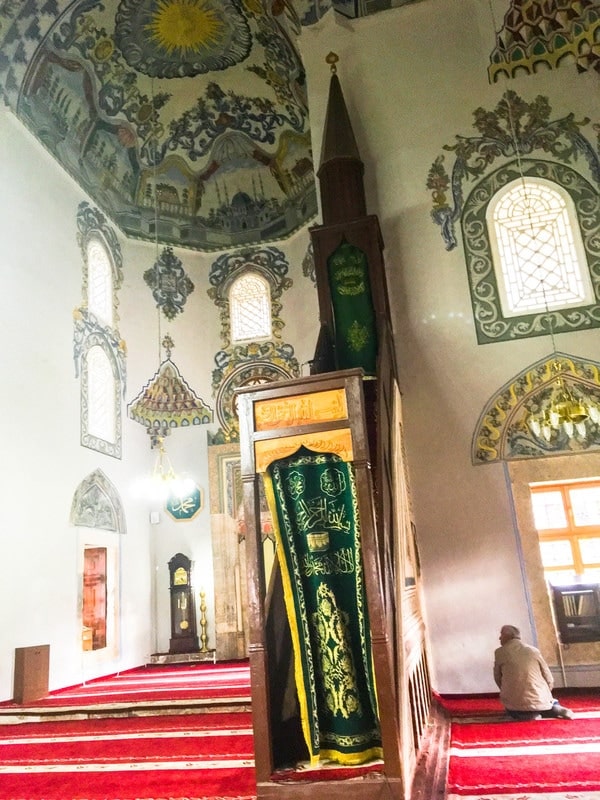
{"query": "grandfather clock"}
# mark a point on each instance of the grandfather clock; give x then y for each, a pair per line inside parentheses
(184, 637)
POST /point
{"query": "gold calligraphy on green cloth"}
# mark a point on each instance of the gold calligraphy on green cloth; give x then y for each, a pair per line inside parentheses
(353, 312)
(313, 502)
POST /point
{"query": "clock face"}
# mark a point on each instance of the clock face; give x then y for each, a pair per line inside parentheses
(180, 577)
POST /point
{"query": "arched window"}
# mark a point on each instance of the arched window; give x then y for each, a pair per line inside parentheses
(101, 394)
(537, 248)
(99, 282)
(99, 351)
(250, 308)
(100, 402)
(530, 238)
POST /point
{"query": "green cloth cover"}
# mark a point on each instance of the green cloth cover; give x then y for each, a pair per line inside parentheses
(353, 312)
(313, 501)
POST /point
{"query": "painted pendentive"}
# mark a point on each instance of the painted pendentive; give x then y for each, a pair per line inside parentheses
(224, 161)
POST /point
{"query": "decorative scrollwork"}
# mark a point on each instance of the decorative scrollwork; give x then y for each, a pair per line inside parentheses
(512, 130)
(490, 323)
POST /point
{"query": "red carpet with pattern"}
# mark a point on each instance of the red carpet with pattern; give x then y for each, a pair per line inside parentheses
(541, 756)
(187, 752)
(207, 755)
(130, 756)
(483, 705)
(155, 684)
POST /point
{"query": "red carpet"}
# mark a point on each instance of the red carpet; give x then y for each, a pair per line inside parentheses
(526, 757)
(489, 705)
(172, 756)
(184, 756)
(467, 706)
(155, 684)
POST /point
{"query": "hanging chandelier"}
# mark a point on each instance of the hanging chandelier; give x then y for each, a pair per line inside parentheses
(167, 401)
(164, 403)
(562, 406)
(566, 409)
(164, 480)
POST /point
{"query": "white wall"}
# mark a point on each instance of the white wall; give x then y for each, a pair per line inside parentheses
(196, 336)
(412, 78)
(42, 460)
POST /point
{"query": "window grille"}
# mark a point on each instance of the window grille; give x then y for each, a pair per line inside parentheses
(537, 246)
(250, 308)
(101, 396)
(100, 289)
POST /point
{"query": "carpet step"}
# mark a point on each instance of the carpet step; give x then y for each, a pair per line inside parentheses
(143, 691)
(37, 714)
(198, 657)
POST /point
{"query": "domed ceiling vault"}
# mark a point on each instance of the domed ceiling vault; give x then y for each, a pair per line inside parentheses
(189, 116)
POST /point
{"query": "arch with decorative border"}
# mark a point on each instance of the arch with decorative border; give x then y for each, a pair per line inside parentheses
(247, 366)
(490, 323)
(246, 363)
(269, 262)
(91, 223)
(250, 298)
(89, 331)
(97, 504)
(514, 129)
(110, 448)
(502, 433)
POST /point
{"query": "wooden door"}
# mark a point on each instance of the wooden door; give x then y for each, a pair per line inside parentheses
(94, 595)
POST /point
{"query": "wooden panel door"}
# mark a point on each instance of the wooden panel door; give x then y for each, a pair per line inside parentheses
(94, 594)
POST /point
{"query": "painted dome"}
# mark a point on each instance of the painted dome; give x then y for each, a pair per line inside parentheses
(171, 107)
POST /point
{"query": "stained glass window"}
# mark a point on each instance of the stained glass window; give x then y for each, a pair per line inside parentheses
(538, 249)
(250, 308)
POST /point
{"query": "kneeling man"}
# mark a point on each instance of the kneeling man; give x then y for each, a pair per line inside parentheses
(524, 679)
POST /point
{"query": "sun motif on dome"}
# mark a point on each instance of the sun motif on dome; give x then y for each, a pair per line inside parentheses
(182, 38)
(185, 26)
